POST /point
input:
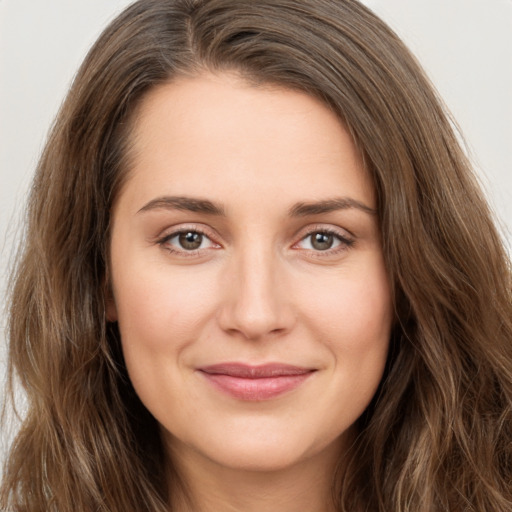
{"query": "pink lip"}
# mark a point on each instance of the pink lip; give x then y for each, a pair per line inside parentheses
(256, 383)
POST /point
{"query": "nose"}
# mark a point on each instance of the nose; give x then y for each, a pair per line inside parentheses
(255, 299)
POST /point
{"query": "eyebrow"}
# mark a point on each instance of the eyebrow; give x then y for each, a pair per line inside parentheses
(329, 205)
(205, 206)
(189, 204)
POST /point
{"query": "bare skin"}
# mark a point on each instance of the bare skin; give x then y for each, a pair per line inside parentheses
(250, 290)
(306, 486)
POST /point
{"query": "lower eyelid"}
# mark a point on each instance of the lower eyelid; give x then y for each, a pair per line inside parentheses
(176, 235)
(344, 242)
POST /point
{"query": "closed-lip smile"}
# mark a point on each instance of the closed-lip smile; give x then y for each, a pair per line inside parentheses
(255, 382)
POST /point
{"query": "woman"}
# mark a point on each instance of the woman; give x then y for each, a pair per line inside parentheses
(258, 274)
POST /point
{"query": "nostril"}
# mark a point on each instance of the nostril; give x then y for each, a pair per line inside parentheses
(255, 320)
(253, 305)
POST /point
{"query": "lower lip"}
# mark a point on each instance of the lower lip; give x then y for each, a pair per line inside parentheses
(259, 389)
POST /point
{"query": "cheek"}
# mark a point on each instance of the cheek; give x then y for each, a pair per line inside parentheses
(161, 313)
(354, 311)
(162, 310)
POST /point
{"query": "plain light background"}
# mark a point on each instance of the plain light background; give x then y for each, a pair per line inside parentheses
(464, 45)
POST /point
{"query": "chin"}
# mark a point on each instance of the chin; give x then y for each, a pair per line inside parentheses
(256, 457)
(260, 451)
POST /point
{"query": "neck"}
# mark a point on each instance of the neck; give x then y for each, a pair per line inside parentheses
(208, 487)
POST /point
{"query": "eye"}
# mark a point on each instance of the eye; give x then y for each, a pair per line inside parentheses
(321, 241)
(186, 241)
(324, 240)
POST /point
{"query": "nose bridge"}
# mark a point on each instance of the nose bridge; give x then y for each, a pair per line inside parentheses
(255, 305)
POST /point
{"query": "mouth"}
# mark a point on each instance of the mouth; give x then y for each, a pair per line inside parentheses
(255, 383)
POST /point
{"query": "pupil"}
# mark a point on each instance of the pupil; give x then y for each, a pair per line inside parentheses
(190, 240)
(322, 241)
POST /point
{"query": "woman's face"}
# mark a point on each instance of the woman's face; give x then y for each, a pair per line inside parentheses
(247, 274)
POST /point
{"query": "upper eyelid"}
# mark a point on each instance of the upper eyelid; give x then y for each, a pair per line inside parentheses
(324, 228)
(215, 238)
(174, 234)
(169, 232)
(342, 239)
(163, 242)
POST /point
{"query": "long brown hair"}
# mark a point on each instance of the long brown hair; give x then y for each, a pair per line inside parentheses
(438, 434)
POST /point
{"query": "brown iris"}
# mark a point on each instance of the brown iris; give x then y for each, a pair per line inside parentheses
(322, 241)
(190, 240)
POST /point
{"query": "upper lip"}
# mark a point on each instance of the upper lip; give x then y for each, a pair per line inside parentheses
(261, 371)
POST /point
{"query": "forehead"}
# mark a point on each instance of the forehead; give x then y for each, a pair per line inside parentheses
(217, 130)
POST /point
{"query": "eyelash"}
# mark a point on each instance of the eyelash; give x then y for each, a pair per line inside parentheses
(345, 242)
(164, 241)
